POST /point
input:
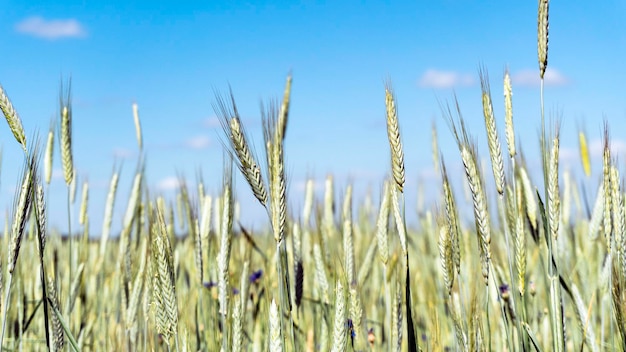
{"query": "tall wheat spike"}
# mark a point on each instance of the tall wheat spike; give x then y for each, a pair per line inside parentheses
(49, 153)
(475, 182)
(108, 212)
(554, 200)
(508, 114)
(606, 187)
(393, 133)
(66, 134)
(283, 116)
(276, 341)
(542, 36)
(382, 225)
(164, 285)
(13, 119)
(452, 218)
(445, 254)
(21, 208)
(339, 327)
(495, 150)
(238, 140)
(348, 240)
(58, 335)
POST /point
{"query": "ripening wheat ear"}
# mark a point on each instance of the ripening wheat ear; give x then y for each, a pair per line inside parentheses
(13, 119)
(475, 182)
(163, 289)
(339, 329)
(348, 240)
(223, 257)
(393, 133)
(284, 110)
(66, 134)
(445, 254)
(542, 36)
(276, 344)
(21, 207)
(495, 150)
(554, 199)
(238, 140)
(382, 225)
(49, 153)
(508, 114)
(452, 218)
(606, 184)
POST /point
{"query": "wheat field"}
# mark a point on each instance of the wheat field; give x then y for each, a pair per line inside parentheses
(536, 267)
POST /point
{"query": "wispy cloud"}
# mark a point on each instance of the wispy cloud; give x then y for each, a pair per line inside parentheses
(437, 79)
(57, 174)
(40, 27)
(168, 184)
(617, 146)
(211, 122)
(198, 142)
(530, 78)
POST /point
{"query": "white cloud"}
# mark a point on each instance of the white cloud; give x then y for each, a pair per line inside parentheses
(211, 122)
(433, 78)
(57, 174)
(169, 184)
(198, 142)
(51, 29)
(617, 146)
(530, 78)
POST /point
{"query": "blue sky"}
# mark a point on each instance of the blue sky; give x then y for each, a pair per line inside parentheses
(171, 57)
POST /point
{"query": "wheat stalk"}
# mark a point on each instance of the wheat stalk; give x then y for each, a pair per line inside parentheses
(435, 146)
(82, 215)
